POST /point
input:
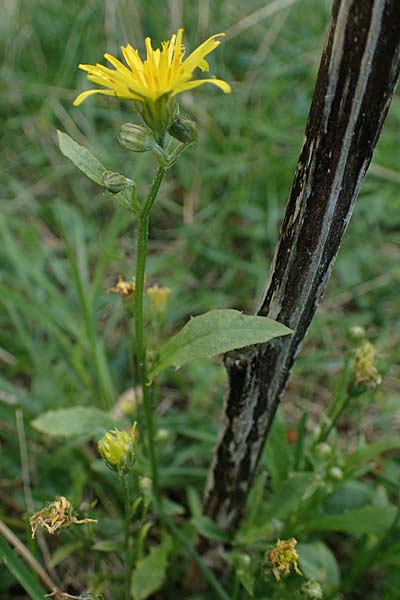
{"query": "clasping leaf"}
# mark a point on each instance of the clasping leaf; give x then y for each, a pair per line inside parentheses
(216, 332)
(81, 157)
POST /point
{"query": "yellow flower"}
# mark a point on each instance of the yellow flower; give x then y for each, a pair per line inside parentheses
(158, 297)
(283, 556)
(56, 515)
(163, 72)
(117, 448)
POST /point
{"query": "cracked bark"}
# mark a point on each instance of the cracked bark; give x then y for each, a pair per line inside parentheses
(358, 73)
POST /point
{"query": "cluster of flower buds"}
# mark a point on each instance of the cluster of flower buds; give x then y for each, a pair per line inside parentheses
(330, 462)
(139, 138)
(118, 449)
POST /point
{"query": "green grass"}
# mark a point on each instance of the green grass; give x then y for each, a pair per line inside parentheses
(62, 243)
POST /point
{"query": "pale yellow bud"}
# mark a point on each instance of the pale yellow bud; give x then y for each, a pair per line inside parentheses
(323, 450)
(336, 473)
(158, 297)
(145, 484)
(163, 435)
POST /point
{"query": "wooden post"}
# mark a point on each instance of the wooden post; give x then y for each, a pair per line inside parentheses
(356, 81)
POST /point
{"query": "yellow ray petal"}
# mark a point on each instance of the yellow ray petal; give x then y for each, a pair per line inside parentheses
(194, 59)
(132, 58)
(83, 95)
(190, 85)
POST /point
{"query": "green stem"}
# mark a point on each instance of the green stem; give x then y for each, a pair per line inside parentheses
(127, 509)
(191, 552)
(340, 402)
(141, 254)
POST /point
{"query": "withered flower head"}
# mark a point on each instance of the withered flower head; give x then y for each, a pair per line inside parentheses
(283, 557)
(125, 289)
(364, 369)
(56, 515)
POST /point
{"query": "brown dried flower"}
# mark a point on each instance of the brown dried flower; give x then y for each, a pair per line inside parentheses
(282, 557)
(125, 289)
(56, 515)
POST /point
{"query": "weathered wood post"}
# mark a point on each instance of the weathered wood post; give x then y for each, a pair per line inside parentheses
(356, 81)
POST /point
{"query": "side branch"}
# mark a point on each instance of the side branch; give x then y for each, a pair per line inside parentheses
(358, 73)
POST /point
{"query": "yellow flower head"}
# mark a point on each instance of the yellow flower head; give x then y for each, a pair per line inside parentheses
(117, 448)
(56, 515)
(164, 72)
(284, 556)
(158, 297)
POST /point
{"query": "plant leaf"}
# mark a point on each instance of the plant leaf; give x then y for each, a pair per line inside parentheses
(216, 332)
(318, 562)
(149, 574)
(286, 500)
(82, 421)
(367, 519)
(370, 451)
(81, 157)
(20, 571)
(207, 528)
(278, 452)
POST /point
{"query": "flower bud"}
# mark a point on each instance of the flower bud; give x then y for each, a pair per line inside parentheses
(117, 448)
(163, 435)
(244, 561)
(115, 182)
(184, 130)
(136, 138)
(158, 297)
(311, 590)
(145, 484)
(356, 333)
(323, 450)
(336, 473)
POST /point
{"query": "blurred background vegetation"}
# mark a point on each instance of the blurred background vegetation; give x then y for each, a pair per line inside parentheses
(62, 242)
